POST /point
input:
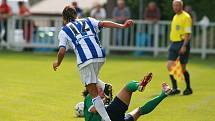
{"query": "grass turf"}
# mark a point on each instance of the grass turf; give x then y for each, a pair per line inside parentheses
(31, 91)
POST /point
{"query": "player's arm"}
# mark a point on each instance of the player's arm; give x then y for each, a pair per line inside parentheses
(62, 49)
(92, 109)
(110, 24)
(89, 105)
(60, 57)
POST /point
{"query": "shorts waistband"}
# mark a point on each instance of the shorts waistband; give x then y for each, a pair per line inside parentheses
(177, 41)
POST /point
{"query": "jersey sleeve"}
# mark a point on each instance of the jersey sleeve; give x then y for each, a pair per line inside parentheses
(95, 24)
(188, 25)
(62, 39)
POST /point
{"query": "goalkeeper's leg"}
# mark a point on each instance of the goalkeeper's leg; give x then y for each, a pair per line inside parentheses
(149, 106)
(125, 93)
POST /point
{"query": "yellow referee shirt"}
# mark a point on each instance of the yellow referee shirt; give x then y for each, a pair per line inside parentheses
(181, 24)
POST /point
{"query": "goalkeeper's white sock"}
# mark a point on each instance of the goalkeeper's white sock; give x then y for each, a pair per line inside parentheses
(100, 108)
(101, 84)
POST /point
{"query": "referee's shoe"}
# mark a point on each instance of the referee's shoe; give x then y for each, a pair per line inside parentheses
(188, 91)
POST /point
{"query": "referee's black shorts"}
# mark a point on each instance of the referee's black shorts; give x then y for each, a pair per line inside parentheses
(174, 52)
(116, 111)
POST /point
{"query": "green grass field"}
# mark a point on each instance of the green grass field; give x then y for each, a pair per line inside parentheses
(31, 91)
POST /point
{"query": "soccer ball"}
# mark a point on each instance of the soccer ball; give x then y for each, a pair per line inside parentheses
(79, 109)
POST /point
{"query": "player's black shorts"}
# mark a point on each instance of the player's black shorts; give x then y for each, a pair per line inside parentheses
(174, 52)
(116, 111)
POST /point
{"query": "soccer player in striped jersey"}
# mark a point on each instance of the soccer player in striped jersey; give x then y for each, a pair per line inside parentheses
(82, 36)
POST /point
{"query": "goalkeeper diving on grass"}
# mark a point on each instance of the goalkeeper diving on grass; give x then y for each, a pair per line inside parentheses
(118, 107)
(82, 36)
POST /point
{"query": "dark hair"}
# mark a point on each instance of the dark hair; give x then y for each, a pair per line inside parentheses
(85, 93)
(69, 13)
(20, 3)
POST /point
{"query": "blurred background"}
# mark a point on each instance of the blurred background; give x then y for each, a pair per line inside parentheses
(33, 25)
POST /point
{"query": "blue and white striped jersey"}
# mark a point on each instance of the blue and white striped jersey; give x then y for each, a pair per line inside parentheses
(82, 36)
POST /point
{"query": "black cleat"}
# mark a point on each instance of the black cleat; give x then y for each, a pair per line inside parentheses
(175, 92)
(188, 91)
(108, 92)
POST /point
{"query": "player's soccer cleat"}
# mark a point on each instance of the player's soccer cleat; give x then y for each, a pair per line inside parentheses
(166, 89)
(175, 92)
(144, 82)
(188, 91)
(108, 92)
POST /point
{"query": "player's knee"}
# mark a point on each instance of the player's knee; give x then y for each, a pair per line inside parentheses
(132, 86)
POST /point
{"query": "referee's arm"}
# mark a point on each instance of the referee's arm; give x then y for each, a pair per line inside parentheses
(187, 37)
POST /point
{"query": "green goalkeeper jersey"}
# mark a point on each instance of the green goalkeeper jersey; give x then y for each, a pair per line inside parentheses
(89, 116)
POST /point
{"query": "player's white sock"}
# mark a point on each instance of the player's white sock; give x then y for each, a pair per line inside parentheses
(100, 108)
(101, 84)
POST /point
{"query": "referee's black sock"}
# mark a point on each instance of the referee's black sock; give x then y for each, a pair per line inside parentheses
(174, 82)
(187, 79)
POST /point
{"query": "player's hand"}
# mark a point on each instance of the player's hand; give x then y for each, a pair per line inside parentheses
(128, 23)
(182, 50)
(55, 65)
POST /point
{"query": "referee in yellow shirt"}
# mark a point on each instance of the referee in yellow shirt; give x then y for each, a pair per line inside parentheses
(180, 35)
